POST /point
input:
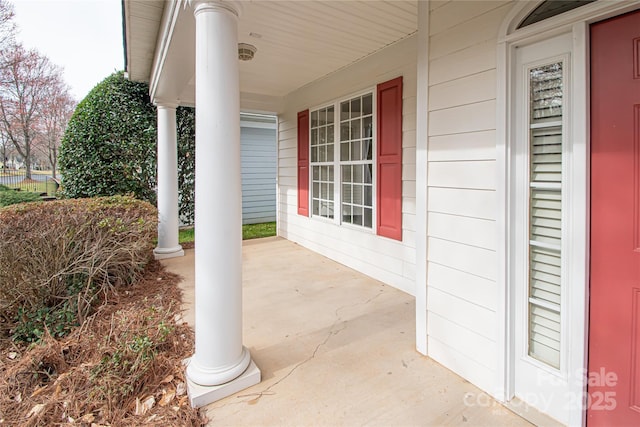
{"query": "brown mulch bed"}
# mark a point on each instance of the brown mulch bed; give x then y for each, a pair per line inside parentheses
(121, 367)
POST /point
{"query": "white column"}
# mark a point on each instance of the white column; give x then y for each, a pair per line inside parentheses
(220, 358)
(168, 246)
(422, 132)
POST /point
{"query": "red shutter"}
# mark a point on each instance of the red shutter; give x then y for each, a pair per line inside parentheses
(389, 188)
(303, 163)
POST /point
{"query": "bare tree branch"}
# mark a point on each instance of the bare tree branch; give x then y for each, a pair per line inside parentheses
(34, 102)
(7, 26)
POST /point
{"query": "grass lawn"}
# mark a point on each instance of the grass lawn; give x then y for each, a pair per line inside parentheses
(36, 187)
(186, 236)
(16, 180)
(33, 186)
(249, 231)
(255, 231)
(10, 172)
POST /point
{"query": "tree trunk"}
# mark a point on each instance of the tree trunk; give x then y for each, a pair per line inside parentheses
(27, 159)
(53, 160)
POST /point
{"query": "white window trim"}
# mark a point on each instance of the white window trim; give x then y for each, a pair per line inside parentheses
(337, 171)
(522, 212)
(577, 22)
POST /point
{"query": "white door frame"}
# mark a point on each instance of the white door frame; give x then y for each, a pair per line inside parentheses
(575, 22)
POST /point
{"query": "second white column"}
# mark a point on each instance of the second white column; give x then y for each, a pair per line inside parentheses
(168, 220)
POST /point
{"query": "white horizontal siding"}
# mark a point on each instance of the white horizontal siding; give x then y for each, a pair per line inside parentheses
(463, 174)
(409, 222)
(470, 316)
(462, 205)
(463, 340)
(485, 27)
(465, 90)
(454, 326)
(466, 118)
(464, 202)
(390, 261)
(463, 364)
(288, 162)
(469, 287)
(461, 229)
(457, 12)
(478, 261)
(464, 146)
(287, 172)
(287, 181)
(472, 60)
(409, 205)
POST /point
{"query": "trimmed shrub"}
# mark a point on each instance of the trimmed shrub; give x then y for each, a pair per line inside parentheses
(56, 258)
(4, 188)
(109, 146)
(11, 197)
(186, 127)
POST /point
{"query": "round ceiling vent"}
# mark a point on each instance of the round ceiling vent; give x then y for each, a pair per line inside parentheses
(246, 51)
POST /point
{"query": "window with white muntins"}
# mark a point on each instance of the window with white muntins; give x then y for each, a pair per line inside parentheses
(321, 139)
(346, 166)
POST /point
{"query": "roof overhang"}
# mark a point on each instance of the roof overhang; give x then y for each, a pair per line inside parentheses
(297, 43)
(141, 22)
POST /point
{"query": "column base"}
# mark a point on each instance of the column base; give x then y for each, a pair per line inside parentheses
(164, 253)
(203, 395)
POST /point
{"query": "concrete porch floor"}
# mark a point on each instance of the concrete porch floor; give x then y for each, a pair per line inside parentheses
(336, 348)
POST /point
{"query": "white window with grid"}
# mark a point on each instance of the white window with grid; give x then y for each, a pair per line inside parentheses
(342, 174)
(356, 160)
(322, 148)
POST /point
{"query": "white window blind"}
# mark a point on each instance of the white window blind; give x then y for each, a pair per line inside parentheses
(545, 212)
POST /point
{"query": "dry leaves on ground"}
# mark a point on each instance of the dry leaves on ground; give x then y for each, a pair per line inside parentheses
(121, 367)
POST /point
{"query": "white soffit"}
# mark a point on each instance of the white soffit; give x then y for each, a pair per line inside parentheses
(141, 32)
(297, 43)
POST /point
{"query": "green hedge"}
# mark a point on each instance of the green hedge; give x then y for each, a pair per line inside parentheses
(109, 146)
(11, 197)
(186, 127)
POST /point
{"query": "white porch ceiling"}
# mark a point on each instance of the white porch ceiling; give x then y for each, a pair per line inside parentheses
(298, 43)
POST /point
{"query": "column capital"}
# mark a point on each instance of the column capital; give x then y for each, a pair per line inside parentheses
(166, 104)
(234, 7)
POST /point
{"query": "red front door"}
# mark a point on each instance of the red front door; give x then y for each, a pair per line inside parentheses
(614, 325)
